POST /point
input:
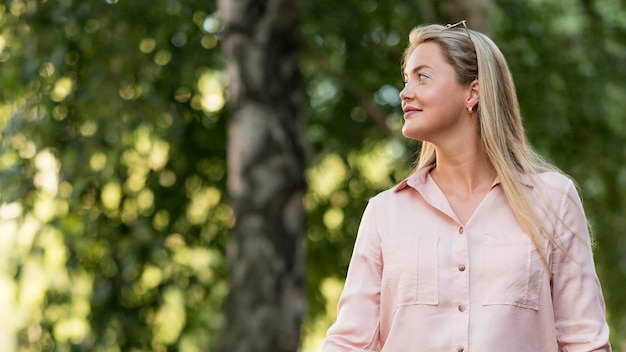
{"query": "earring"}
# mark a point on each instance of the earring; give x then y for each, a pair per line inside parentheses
(470, 109)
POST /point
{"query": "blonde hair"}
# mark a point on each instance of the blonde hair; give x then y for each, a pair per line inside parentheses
(500, 121)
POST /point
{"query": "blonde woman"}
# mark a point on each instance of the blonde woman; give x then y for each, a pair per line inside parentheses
(484, 247)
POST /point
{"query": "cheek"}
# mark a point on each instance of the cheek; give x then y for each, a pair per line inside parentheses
(431, 96)
(444, 102)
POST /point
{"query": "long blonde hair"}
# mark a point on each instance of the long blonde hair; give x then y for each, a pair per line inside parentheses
(474, 56)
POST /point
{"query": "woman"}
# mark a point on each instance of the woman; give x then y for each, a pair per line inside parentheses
(484, 247)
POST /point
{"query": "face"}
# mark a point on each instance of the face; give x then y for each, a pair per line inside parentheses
(434, 104)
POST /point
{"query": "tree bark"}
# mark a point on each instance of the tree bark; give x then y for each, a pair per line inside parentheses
(266, 184)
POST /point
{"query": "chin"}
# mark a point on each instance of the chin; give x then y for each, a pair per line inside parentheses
(407, 133)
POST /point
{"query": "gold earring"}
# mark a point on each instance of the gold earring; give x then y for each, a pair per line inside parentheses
(470, 109)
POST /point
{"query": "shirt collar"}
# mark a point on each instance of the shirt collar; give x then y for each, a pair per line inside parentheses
(419, 178)
(414, 180)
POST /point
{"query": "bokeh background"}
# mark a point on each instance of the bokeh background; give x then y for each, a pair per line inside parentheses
(114, 211)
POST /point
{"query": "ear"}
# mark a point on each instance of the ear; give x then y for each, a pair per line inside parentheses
(474, 94)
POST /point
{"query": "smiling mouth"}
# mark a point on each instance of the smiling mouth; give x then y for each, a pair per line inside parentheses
(411, 110)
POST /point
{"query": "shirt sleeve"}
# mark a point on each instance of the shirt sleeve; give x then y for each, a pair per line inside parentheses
(579, 306)
(358, 312)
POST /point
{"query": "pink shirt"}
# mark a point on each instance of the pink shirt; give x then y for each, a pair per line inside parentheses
(420, 280)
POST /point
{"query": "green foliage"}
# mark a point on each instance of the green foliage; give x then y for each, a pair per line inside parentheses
(113, 162)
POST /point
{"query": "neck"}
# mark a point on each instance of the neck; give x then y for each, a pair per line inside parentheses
(466, 171)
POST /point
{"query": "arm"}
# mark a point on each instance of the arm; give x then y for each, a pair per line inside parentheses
(358, 313)
(579, 308)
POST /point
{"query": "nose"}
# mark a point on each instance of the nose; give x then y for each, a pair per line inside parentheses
(405, 93)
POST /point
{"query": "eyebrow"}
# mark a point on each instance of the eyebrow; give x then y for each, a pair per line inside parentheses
(415, 70)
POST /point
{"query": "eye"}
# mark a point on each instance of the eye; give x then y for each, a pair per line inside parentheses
(421, 76)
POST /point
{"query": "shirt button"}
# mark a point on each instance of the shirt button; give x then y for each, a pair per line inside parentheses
(461, 267)
(460, 348)
(461, 230)
(461, 307)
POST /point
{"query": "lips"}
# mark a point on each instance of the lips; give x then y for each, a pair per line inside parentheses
(410, 109)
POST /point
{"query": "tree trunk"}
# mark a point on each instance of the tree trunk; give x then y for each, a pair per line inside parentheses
(266, 161)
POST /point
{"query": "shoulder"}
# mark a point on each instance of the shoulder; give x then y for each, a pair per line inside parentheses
(399, 193)
(555, 187)
(554, 181)
(385, 196)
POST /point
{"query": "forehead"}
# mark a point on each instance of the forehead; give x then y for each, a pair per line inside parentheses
(426, 54)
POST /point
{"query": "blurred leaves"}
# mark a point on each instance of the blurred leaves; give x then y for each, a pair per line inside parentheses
(112, 171)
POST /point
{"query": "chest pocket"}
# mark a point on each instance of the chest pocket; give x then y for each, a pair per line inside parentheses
(511, 271)
(411, 270)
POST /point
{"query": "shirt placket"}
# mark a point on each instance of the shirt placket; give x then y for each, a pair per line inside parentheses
(460, 291)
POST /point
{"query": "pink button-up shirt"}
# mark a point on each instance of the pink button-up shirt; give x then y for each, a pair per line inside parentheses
(420, 280)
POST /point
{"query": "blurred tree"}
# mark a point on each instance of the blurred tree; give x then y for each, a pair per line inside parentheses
(112, 158)
(266, 161)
